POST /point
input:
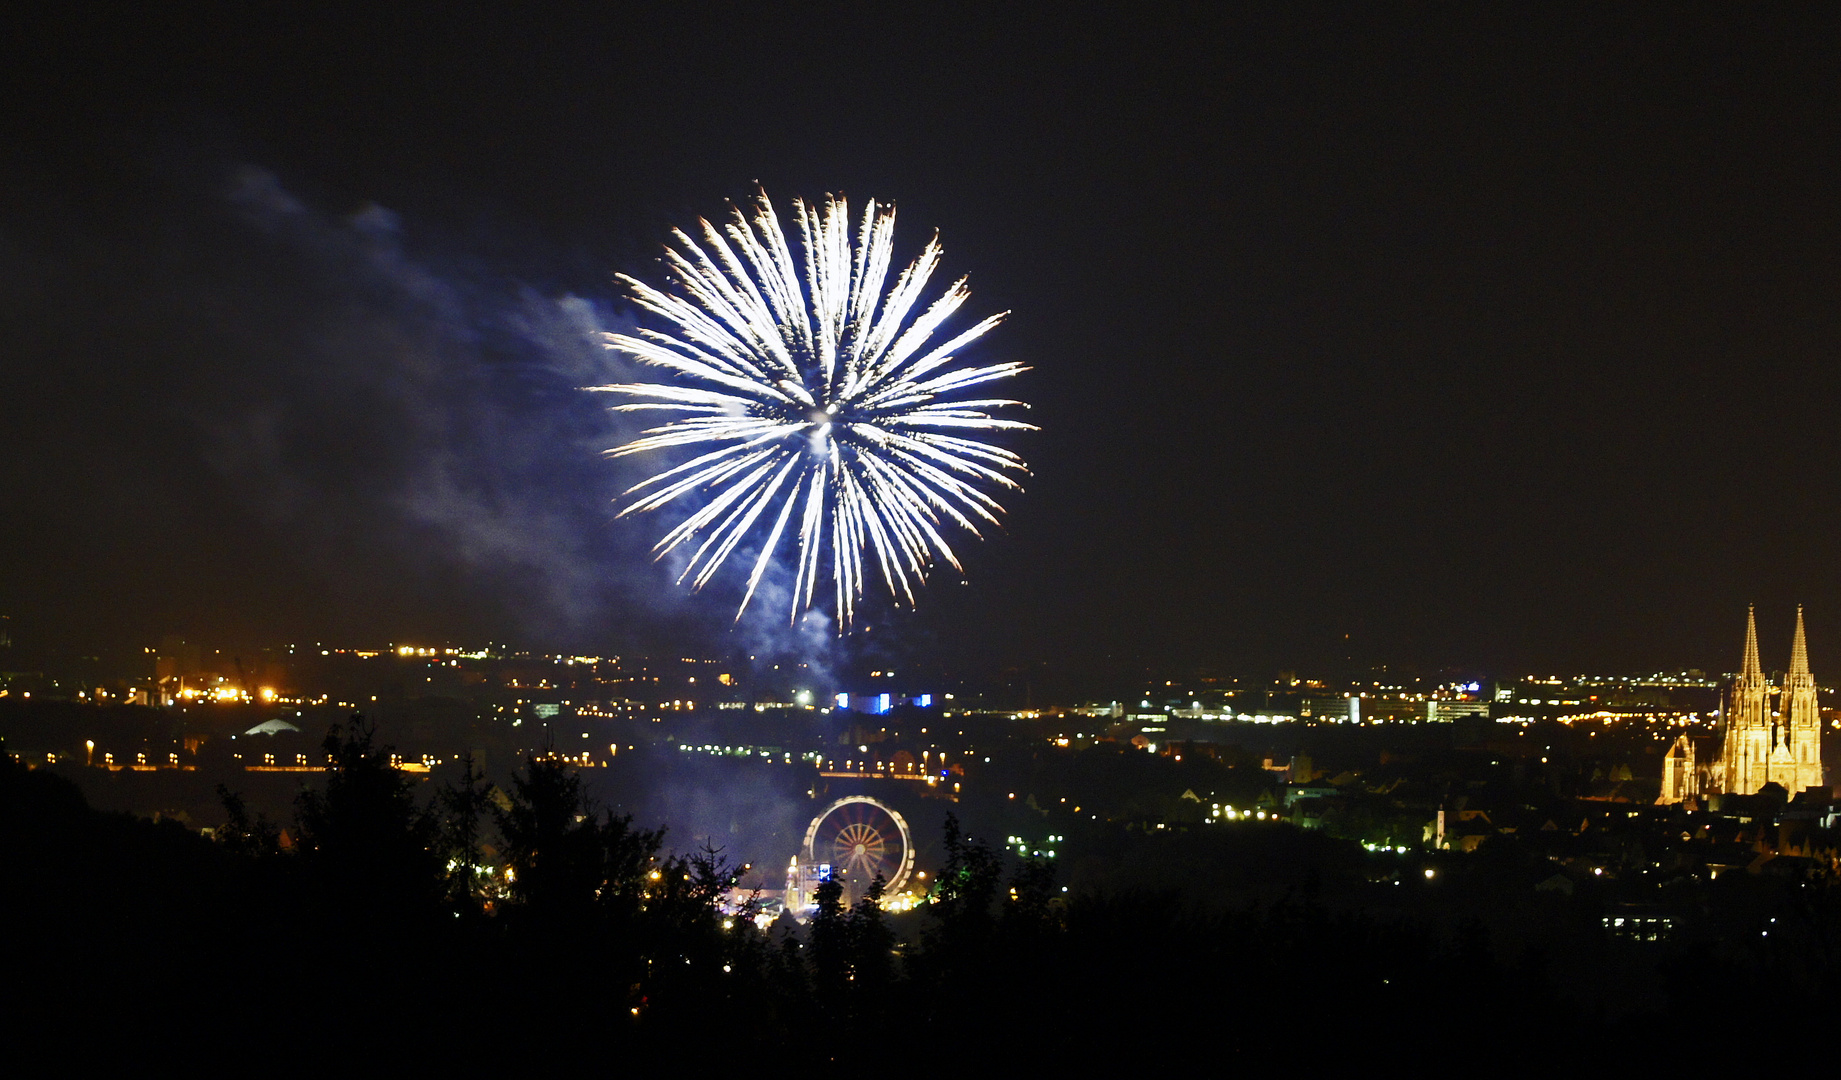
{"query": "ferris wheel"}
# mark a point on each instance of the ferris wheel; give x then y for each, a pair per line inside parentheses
(861, 839)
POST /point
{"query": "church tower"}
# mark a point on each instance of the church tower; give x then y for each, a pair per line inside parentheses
(1801, 724)
(1745, 751)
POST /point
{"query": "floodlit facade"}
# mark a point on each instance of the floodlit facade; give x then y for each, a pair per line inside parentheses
(1759, 744)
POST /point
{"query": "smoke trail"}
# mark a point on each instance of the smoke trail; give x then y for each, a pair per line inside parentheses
(434, 408)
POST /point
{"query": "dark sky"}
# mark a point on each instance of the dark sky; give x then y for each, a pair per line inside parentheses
(1486, 335)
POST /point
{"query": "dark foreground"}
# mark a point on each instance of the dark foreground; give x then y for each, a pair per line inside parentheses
(369, 937)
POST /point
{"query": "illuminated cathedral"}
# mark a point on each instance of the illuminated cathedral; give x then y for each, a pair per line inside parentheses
(1759, 744)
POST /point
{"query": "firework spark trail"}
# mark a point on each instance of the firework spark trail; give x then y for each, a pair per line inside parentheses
(818, 401)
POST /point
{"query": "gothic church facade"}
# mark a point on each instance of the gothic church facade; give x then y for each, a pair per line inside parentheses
(1768, 734)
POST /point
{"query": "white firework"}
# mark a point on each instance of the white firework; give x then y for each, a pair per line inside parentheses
(819, 406)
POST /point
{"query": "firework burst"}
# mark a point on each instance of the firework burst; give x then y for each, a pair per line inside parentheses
(820, 410)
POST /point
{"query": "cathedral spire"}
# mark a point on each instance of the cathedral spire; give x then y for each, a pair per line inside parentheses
(1799, 651)
(1752, 666)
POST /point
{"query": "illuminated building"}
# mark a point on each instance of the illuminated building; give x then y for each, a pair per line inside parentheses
(1758, 744)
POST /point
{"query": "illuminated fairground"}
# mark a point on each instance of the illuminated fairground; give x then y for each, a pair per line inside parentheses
(855, 841)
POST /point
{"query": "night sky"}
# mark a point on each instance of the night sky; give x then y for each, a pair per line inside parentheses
(1500, 337)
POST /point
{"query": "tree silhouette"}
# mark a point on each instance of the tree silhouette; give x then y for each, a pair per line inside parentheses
(364, 839)
(255, 838)
(964, 893)
(828, 948)
(465, 813)
(558, 853)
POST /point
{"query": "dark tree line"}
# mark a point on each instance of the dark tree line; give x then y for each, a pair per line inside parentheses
(372, 921)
